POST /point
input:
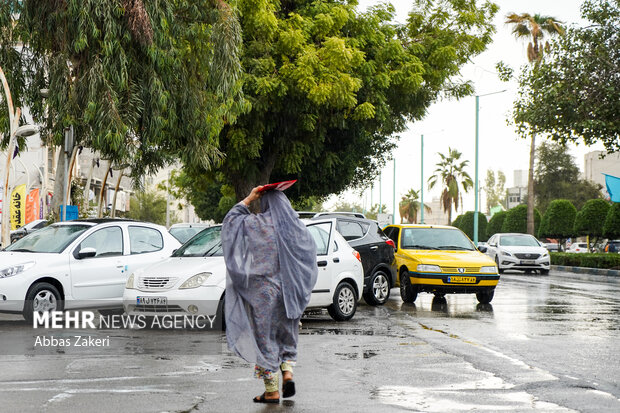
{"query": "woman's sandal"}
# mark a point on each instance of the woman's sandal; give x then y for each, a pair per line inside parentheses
(262, 399)
(288, 389)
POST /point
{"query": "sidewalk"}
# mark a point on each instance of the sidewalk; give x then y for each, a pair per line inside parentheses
(586, 270)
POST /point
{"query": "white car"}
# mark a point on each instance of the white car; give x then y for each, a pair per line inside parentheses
(518, 252)
(578, 247)
(183, 232)
(78, 264)
(193, 280)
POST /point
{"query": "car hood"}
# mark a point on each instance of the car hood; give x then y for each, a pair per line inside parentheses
(450, 258)
(186, 267)
(524, 250)
(8, 258)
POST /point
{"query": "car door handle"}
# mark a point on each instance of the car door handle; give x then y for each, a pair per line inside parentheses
(374, 248)
(322, 264)
(336, 259)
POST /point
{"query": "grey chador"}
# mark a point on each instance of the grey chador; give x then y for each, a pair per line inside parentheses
(271, 265)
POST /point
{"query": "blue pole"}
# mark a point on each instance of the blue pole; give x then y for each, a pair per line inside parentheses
(422, 180)
(476, 179)
(394, 195)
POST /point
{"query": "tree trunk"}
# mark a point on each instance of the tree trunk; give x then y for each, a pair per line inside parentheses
(58, 181)
(530, 189)
(105, 179)
(86, 200)
(243, 185)
(118, 183)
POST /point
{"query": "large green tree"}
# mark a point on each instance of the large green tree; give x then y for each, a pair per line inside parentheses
(466, 224)
(574, 95)
(558, 221)
(494, 189)
(534, 28)
(611, 228)
(495, 223)
(451, 174)
(557, 176)
(516, 220)
(141, 82)
(331, 87)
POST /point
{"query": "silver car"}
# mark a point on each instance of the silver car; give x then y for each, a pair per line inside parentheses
(518, 252)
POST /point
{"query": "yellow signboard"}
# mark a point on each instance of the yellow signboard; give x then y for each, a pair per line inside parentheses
(18, 207)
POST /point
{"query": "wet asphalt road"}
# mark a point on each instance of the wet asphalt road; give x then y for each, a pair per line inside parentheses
(547, 343)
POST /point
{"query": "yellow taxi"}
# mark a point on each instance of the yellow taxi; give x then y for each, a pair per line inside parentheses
(440, 260)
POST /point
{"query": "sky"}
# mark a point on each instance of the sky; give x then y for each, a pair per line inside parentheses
(452, 123)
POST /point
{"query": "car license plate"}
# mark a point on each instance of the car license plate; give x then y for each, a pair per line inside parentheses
(462, 280)
(528, 262)
(152, 300)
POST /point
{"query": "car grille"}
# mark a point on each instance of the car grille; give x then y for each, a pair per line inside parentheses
(527, 256)
(155, 283)
(159, 309)
(455, 270)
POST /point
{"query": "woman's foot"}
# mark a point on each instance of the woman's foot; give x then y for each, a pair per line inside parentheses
(288, 385)
(268, 397)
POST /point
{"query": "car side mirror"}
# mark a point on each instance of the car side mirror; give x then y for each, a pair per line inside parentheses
(482, 248)
(87, 252)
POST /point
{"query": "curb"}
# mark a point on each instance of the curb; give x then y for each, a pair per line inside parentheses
(586, 270)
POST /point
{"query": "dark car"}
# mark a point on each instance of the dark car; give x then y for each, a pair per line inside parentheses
(376, 251)
(20, 233)
(612, 246)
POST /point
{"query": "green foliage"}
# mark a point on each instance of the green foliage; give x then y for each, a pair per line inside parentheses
(409, 206)
(450, 173)
(559, 220)
(599, 260)
(345, 206)
(374, 211)
(466, 224)
(591, 218)
(495, 189)
(557, 177)
(331, 88)
(457, 221)
(148, 207)
(516, 220)
(495, 223)
(141, 82)
(311, 203)
(585, 62)
(611, 229)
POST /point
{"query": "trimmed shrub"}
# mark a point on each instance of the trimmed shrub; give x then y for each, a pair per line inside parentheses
(495, 223)
(467, 225)
(457, 222)
(591, 218)
(559, 220)
(600, 260)
(516, 220)
(611, 228)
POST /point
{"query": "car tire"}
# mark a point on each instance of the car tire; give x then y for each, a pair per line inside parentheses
(42, 297)
(344, 303)
(544, 272)
(221, 312)
(408, 293)
(379, 289)
(485, 297)
(499, 269)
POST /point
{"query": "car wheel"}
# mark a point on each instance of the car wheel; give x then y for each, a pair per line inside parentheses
(379, 289)
(344, 303)
(42, 297)
(408, 293)
(485, 297)
(220, 313)
(544, 272)
(499, 269)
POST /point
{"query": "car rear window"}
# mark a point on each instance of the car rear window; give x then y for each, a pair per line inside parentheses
(351, 230)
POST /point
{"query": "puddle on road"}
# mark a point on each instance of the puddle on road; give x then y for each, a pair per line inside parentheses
(336, 331)
(366, 354)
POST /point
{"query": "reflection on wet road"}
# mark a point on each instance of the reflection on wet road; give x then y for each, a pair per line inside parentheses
(545, 344)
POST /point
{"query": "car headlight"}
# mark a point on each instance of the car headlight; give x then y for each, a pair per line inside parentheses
(15, 269)
(545, 254)
(195, 281)
(506, 253)
(491, 269)
(428, 268)
(129, 283)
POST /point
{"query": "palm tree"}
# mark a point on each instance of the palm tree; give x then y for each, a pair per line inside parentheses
(409, 207)
(535, 27)
(451, 173)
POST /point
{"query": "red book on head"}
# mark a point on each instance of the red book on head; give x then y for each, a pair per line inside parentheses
(278, 186)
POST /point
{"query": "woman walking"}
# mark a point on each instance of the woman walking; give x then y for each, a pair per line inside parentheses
(271, 265)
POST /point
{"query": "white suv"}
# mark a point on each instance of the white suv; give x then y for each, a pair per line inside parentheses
(193, 280)
(78, 264)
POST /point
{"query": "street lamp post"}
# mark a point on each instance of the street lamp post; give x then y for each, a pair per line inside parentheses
(476, 165)
(421, 179)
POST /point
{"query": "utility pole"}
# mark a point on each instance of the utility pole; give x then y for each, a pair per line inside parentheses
(421, 179)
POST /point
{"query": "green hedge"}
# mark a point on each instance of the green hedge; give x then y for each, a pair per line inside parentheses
(599, 260)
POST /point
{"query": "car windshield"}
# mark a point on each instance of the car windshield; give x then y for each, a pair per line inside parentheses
(518, 241)
(205, 243)
(184, 234)
(52, 239)
(435, 239)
